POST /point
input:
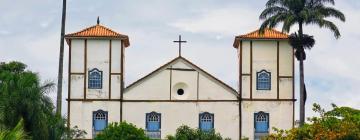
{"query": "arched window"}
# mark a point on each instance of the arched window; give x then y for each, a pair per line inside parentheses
(261, 122)
(153, 125)
(263, 80)
(153, 120)
(100, 120)
(206, 121)
(95, 79)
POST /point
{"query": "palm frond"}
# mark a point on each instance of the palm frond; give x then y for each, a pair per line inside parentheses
(304, 42)
(271, 11)
(332, 12)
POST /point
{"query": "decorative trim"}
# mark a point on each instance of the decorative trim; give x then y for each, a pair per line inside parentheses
(170, 81)
(240, 88)
(285, 76)
(115, 73)
(277, 69)
(192, 64)
(251, 68)
(110, 55)
(181, 69)
(69, 85)
(76, 73)
(90, 100)
(197, 85)
(293, 83)
(85, 67)
(246, 74)
(122, 80)
(247, 99)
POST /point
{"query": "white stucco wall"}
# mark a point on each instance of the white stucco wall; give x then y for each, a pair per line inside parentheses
(265, 58)
(216, 92)
(115, 56)
(77, 55)
(81, 113)
(175, 114)
(98, 57)
(280, 115)
(155, 87)
(77, 86)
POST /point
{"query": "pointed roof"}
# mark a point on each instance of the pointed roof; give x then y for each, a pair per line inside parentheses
(99, 31)
(192, 65)
(269, 34)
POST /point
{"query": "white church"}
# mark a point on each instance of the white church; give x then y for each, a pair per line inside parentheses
(179, 92)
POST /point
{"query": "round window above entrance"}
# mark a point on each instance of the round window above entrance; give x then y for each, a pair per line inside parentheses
(180, 91)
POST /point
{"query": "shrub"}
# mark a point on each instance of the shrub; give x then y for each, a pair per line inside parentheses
(186, 133)
(122, 131)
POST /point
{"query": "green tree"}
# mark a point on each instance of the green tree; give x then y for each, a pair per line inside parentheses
(186, 133)
(340, 123)
(16, 133)
(22, 96)
(300, 12)
(122, 131)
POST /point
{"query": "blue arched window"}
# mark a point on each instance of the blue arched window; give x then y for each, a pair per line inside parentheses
(100, 121)
(261, 120)
(95, 79)
(206, 121)
(153, 125)
(263, 80)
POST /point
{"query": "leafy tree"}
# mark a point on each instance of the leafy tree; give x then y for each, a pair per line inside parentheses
(186, 133)
(122, 131)
(340, 123)
(22, 96)
(301, 12)
(16, 133)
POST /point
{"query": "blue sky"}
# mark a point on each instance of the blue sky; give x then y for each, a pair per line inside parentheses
(29, 32)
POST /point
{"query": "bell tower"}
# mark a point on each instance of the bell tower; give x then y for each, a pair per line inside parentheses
(95, 79)
(266, 82)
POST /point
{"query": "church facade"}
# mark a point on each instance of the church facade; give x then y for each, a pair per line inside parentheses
(179, 92)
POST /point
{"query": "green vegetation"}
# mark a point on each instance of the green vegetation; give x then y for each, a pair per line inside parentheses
(340, 123)
(16, 133)
(22, 96)
(187, 133)
(122, 131)
(301, 12)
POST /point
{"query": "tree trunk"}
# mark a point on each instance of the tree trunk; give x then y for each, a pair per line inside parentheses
(61, 61)
(301, 70)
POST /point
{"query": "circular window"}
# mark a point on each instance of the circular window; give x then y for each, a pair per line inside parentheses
(180, 91)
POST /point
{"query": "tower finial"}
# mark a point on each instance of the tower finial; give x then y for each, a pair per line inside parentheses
(98, 20)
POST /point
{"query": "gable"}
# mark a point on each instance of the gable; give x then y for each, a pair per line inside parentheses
(165, 82)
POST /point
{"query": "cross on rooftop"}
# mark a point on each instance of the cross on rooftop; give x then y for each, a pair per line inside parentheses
(179, 41)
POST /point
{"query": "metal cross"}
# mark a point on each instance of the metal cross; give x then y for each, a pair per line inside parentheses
(179, 41)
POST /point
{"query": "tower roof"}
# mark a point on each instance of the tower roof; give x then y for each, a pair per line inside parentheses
(269, 34)
(99, 31)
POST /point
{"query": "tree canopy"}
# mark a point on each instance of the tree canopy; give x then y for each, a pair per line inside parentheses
(340, 123)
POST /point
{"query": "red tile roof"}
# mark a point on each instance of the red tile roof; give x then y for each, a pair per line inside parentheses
(269, 34)
(99, 31)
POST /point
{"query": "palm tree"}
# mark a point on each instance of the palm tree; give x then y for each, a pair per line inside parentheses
(300, 12)
(61, 61)
(17, 133)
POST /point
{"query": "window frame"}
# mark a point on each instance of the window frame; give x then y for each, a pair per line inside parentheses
(101, 78)
(267, 115)
(212, 118)
(93, 118)
(146, 120)
(257, 79)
